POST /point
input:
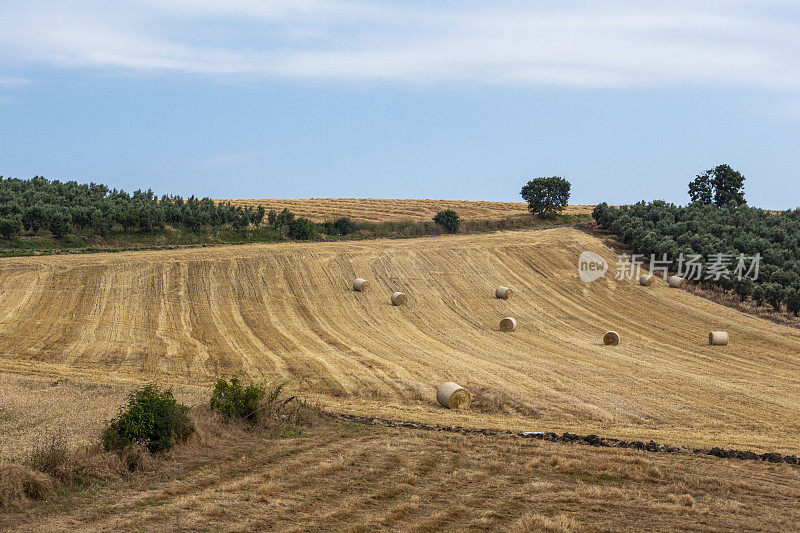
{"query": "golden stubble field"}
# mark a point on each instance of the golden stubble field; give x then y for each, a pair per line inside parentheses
(388, 209)
(185, 317)
(350, 477)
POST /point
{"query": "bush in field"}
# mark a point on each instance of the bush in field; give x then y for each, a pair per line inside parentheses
(344, 226)
(448, 219)
(546, 196)
(152, 418)
(301, 229)
(283, 219)
(263, 404)
(234, 400)
(340, 226)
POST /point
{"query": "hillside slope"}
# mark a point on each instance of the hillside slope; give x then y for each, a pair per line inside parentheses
(288, 310)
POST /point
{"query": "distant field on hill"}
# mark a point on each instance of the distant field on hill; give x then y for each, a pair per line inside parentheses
(384, 209)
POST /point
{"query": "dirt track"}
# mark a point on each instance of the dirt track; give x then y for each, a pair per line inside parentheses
(288, 310)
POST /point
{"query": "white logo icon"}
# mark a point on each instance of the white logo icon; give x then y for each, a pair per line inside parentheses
(591, 266)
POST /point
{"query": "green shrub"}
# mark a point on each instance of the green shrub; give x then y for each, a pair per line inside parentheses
(758, 295)
(276, 414)
(34, 217)
(344, 226)
(10, 227)
(340, 226)
(793, 301)
(774, 294)
(153, 418)
(234, 400)
(301, 229)
(282, 219)
(743, 288)
(60, 224)
(286, 415)
(448, 219)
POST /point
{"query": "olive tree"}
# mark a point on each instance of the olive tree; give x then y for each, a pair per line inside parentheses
(546, 196)
(448, 219)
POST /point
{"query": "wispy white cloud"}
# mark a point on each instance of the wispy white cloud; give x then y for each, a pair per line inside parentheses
(574, 43)
(13, 83)
(8, 85)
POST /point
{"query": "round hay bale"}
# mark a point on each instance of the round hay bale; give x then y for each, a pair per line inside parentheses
(677, 282)
(508, 324)
(718, 338)
(360, 285)
(504, 293)
(398, 298)
(645, 280)
(611, 338)
(453, 396)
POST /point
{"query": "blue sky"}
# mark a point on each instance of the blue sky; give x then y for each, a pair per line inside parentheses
(461, 100)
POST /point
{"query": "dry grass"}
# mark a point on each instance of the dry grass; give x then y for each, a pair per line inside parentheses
(385, 209)
(341, 476)
(20, 484)
(39, 412)
(70, 465)
(728, 299)
(288, 311)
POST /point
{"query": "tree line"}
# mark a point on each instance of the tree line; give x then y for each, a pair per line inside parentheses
(718, 222)
(63, 207)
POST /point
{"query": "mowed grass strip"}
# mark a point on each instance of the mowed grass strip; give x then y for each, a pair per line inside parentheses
(344, 476)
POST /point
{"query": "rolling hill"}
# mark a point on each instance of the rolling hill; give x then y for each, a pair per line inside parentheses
(288, 310)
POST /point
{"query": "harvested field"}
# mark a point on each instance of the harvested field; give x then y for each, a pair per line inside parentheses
(288, 310)
(384, 209)
(340, 476)
(35, 408)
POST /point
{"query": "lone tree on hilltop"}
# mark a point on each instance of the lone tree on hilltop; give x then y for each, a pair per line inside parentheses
(546, 196)
(448, 219)
(720, 185)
